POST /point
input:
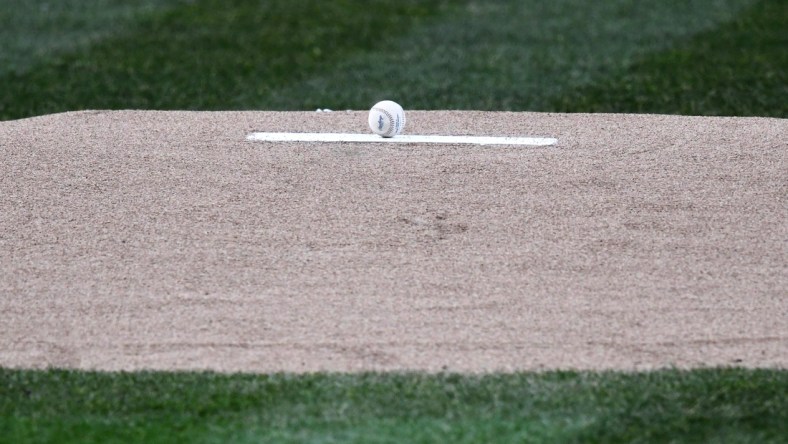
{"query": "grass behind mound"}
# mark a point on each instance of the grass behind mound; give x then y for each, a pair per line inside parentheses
(720, 405)
(706, 57)
(740, 68)
(32, 31)
(207, 54)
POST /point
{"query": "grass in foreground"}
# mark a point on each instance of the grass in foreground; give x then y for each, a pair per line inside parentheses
(715, 405)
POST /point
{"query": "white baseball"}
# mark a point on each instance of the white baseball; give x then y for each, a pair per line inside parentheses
(386, 118)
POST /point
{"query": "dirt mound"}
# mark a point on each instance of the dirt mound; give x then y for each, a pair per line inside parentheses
(165, 240)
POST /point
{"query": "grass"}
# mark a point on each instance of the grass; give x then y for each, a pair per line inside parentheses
(739, 68)
(715, 405)
(34, 31)
(207, 54)
(707, 57)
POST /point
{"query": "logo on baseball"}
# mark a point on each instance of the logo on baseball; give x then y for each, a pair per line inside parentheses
(386, 118)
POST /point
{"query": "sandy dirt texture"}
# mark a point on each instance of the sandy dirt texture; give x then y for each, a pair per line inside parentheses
(164, 240)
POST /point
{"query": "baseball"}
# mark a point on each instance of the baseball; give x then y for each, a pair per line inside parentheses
(386, 118)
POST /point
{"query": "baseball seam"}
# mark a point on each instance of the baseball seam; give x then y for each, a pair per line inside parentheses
(392, 128)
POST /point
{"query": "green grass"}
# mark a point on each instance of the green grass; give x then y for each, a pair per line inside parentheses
(34, 31)
(720, 405)
(708, 57)
(740, 68)
(208, 54)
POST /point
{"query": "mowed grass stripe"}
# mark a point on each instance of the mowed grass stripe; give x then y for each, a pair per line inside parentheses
(508, 54)
(731, 405)
(31, 31)
(276, 54)
(737, 69)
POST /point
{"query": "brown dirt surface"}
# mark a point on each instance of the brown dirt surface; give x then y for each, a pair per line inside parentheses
(164, 240)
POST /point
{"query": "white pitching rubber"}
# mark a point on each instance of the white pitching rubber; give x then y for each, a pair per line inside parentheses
(372, 138)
